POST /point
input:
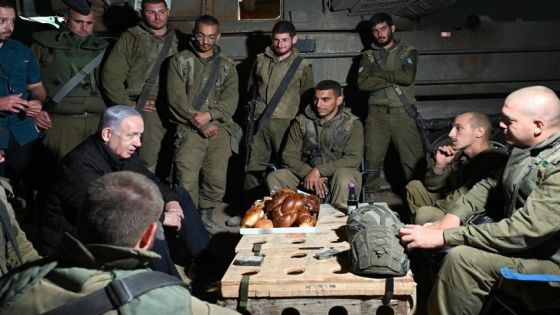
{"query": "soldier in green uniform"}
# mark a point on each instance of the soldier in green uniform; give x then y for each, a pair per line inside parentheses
(61, 55)
(205, 124)
(389, 64)
(457, 167)
(324, 148)
(267, 73)
(115, 232)
(527, 238)
(127, 71)
(9, 259)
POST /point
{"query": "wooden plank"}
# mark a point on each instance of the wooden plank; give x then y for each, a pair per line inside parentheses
(329, 232)
(295, 273)
(326, 305)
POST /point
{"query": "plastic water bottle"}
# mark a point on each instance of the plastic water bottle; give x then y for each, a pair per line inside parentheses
(352, 203)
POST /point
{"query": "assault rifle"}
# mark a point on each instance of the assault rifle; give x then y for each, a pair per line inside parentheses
(414, 113)
(251, 124)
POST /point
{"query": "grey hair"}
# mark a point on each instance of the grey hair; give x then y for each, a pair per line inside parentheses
(114, 116)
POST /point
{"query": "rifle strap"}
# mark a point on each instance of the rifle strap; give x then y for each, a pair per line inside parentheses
(411, 111)
(71, 84)
(203, 95)
(9, 230)
(275, 100)
(149, 84)
(117, 293)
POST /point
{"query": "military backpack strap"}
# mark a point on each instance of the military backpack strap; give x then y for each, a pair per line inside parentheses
(203, 95)
(75, 80)
(117, 293)
(149, 84)
(275, 100)
(9, 230)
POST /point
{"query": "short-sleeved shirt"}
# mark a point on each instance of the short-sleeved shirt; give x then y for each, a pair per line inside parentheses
(18, 69)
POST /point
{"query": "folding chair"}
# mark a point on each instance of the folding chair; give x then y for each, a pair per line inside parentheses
(500, 303)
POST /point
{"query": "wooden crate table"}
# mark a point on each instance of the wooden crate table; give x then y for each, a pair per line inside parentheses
(291, 279)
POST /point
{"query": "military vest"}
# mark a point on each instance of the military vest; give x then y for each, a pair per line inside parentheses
(338, 134)
(63, 57)
(531, 176)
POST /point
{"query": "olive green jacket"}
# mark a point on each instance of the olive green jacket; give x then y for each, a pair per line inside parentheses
(401, 62)
(268, 73)
(61, 55)
(8, 258)
(340, 148)
(186, 77)
(532, 229)
(130, 62)
(84, 269)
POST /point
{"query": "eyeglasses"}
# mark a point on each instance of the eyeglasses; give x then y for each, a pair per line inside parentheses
(201, 37)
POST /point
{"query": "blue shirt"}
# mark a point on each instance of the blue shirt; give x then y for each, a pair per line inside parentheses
(18, 68)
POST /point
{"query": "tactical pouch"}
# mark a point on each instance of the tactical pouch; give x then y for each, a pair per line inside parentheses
(314, 156)
(375, 249)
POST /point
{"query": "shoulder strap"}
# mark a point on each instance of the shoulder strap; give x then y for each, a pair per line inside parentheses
(265, 117)
(71, 84)
(410, 109)
(375, 57)
(311, 132)
(117, 293)
(203, 95)
(540, 163)
(149, 84)
(9, 230)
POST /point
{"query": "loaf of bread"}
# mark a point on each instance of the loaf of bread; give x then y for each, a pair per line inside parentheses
(285, 208)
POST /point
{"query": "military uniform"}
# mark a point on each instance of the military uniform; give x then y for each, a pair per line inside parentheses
(8, 258)
(428, 200)
(387, 119)
(85, 269)
(341, 140)
(196, 156)
(61, 55)
(124, 74)
(267, 74)
(527, 239)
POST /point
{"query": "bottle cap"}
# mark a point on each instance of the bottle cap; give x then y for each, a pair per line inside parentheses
(351, 184)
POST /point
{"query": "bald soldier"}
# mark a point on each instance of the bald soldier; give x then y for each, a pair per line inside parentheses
(527, 238)
(457, 167)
